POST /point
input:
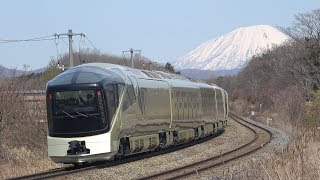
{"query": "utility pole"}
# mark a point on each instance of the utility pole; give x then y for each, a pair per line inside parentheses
(70, 34)
(131, 53)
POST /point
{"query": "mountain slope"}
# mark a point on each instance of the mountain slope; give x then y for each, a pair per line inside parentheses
(6, 72)
(232, 50)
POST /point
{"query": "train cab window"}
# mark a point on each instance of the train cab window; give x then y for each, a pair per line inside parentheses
(82, 101)
(147, 73)
(126, 102)
(111, 95)
(77, 101)
(63, 79)
(155, 75)
(112, 99)
(120, 89)
(129, 98)
(87, 77)
(79, 76)
(82, 107)
(131, 93)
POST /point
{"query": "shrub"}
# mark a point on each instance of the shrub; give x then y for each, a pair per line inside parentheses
(312, 109)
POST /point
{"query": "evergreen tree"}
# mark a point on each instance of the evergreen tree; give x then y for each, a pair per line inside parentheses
(169, 67)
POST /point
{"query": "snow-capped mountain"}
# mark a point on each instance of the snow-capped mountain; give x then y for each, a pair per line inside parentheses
(232, 50)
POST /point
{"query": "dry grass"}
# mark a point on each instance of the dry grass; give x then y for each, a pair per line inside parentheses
(299, 160)
(25, 162)
(23, 148)
(23, 130)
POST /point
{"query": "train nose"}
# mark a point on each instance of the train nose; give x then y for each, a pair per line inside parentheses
(77, 147)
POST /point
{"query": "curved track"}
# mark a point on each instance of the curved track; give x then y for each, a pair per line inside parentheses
(99, 165)
(54, 173)
(262, 137)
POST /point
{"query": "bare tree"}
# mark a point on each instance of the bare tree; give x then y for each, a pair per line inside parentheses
(305, 25)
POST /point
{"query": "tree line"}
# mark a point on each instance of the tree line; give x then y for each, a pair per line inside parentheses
(39, 80)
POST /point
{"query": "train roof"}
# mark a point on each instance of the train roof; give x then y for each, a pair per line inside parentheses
(173, 79)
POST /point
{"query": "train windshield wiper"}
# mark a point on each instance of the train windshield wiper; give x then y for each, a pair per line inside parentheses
(67, 113)
(82, 114)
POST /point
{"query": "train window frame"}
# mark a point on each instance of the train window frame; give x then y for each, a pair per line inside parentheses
(142, 98)
(126, 101)
(132, 94)
(147, 74)
(112, 99)
(154, 75)
(110, 93)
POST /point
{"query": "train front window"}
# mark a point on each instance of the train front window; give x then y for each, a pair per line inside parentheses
(77, 103)
(77, 112)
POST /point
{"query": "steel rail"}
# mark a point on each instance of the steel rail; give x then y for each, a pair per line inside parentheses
(76, 169)
(261, 138)
(99, 165)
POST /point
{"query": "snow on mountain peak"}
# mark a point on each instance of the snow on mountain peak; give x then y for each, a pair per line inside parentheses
(232, 50)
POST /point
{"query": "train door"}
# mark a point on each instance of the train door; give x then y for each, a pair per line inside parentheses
(216, 103)
(140, 95)
(226, 104)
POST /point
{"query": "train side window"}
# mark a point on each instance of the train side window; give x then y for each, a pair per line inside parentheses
(129, 98)
(177, 95)
(120, 89)
(110, 91)
(112, 99)
(126, 101)
(132, 95)
(147, 73)
(142, 99)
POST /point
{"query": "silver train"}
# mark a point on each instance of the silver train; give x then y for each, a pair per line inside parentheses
(99, 111)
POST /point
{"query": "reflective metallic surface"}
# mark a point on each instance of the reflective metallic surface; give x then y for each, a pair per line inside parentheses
(149, 109)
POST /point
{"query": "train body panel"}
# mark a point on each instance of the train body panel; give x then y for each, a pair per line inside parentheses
(93, 145)
(121, 111)
(143, 111)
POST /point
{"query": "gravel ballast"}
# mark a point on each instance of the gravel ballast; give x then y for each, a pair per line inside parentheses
(234, 136)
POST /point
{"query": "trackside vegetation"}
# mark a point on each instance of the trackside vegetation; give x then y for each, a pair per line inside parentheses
(281, 88)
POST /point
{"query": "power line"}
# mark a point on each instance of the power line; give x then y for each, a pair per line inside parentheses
(62, 38)
(56, 38)
(131, 51)
(70, 34)
(56, 42)
(91, 43)
(26, 39)
(35, 40)
(43, 38)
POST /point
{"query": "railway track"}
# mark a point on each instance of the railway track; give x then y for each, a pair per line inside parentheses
(43, 175)
(262, 137)
(99, 165)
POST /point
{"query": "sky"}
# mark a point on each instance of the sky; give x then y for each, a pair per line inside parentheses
(164, 30)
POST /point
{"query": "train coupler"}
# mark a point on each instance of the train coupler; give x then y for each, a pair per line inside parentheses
(77, 147)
